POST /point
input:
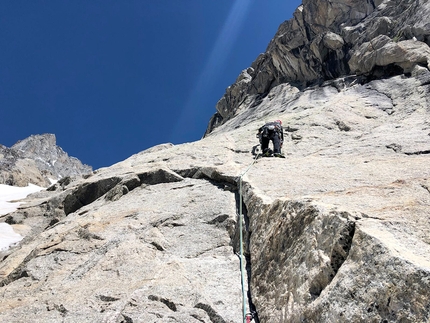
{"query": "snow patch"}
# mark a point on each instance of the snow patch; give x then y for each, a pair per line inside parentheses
(12, 193)
(52, 181)
(7, 194)
(8, 237)
(43, 161)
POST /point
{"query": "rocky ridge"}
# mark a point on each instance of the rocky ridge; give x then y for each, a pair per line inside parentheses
(326, 40)
(37, 160)
(338, 231)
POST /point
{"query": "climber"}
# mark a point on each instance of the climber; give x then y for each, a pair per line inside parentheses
(271, 131)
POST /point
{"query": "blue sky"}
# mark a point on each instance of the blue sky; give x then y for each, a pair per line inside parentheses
(112, 78)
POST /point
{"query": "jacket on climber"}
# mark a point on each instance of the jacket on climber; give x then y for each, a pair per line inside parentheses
(271, 131)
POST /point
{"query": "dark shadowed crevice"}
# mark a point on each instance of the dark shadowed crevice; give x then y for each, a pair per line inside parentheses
(187, 173)
(422, 152)
(227, 183)
(335, 64)
(60, 308)
(395, 147)
(247, 256)
(105, 298)
(88, 193)
(213, 315)
(341, 250)
(384, 72)
(159, 176)
(126, 319)
(219, 219)
(425, 187)
(251, 305)
(20, 271)
(171, 305)
(210, 174)
(339, 254)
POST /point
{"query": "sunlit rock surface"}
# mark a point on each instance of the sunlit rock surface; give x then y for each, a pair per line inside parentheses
(338, 231)
(326, 40)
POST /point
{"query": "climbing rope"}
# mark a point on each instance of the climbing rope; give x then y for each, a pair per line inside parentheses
(246, 316)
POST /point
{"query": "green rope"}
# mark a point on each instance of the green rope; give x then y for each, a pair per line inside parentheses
(241, 238)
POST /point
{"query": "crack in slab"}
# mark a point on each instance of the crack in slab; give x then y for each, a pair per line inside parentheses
(81, 270)
(213, 315)
(420, 152)
(425, 187)
(171, 305)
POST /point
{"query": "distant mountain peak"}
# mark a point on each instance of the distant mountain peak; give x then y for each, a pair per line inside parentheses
(37, 159)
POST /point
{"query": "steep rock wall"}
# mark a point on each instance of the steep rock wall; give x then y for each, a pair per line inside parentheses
(337, 231)
(329, 39)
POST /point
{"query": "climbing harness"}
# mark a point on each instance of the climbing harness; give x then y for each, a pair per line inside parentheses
(247, 317)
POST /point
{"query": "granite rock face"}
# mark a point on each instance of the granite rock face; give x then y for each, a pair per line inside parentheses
(36, 160)
(330, 39)
(338, 231)
(140, 241)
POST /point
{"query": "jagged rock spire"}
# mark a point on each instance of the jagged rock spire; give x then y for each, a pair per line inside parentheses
(37, 160)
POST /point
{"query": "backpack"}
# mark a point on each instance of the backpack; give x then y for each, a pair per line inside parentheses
(270, 127)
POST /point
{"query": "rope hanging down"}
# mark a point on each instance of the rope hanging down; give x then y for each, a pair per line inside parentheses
(246, 317)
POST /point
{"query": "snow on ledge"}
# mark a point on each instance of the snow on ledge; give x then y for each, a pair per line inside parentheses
(52, 181)
(8, 237)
